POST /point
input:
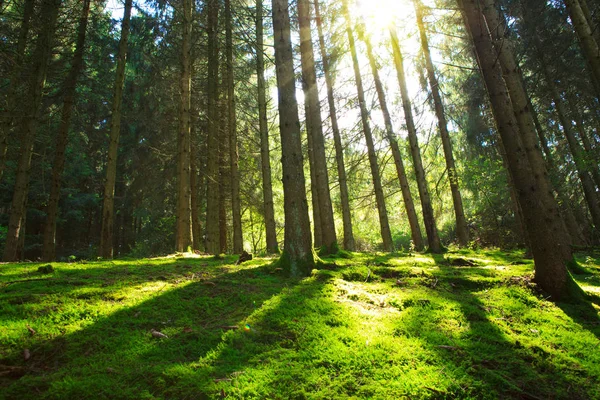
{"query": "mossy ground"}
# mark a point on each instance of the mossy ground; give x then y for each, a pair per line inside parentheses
(383, 326)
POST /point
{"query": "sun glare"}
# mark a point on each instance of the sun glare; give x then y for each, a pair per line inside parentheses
(380, 15)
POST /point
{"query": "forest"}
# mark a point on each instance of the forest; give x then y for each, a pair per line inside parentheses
(300, 199)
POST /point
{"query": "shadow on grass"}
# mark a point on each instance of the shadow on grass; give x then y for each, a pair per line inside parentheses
(116, 356)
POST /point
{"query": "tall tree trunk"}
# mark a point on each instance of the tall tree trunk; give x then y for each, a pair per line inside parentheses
(409, 204)
(589, 46)
(196, 185)
(309, 75)
(462, 232)
(589, 157)
(223, 168)
(106, 235)
(271, 234)
(212, 164)
(594, 24)
(548, 239)
(7, 115)
(433, 238)
(587, 184)
(349, 243)
(184, 239)
(27, 128)
(316, 210)
(236, 209)
(384, 224)
(49, 249)
(298, 257)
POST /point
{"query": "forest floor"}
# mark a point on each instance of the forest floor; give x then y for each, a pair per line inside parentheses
(466, 324)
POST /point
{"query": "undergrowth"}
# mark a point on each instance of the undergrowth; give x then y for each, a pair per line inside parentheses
(464, 324)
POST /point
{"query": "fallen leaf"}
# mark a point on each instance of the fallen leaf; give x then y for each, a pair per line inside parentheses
(31, 330)
(448, 347)
(158, 334)
(209, 283)
(187, 329)
(26, 354)
(110, 370)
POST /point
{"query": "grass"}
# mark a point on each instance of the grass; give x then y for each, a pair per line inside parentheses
(381, 326)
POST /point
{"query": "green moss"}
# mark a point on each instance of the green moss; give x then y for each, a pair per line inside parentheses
(416, 324)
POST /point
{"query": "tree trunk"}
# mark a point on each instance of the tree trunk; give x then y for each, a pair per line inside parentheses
(106, 235)
(589, 157)
(212, 164)
(309, 75)
(238, 240)
(550, 248)
(298, 256)
(271, 234)
(433, 238)
(316, 210)
(587, 184)
(184, 239)
(7, 116)
(589, 46)
(49, 249)
(462, 232)
(384, 224)
(196, 185)
(339, 152)
(409, 204)
(223, 168)
(27, 128)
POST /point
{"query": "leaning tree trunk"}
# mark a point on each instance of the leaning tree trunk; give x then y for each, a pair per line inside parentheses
(271, 234)
(589, 46)
(589, 190)
(433, 238)
(409, 204)
(49, 249)
(212, 163)
(184, 239)
(462, 232)
(349, 243)
(384, 224)
(27, 128)
(236, 208)
(106, 235)
(7, 115)
(309, 75)
(298, 257)
(548, 239)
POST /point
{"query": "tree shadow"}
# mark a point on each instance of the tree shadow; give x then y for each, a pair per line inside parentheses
(117, 356)
(500, 359)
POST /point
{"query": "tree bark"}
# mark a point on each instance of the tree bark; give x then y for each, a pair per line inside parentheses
(106, 235)
(212, 164)
(316, 210)
(309, 75)
(270, 232)
(589, 46)
(27, 128)
(409, 204)
(49, 249)
(587, 184)
(462, 232)
(550, 248)
(349, 243)
(7, 116)
(298, 256)
(184, 239)
(433, 238)
(236, 209)
(384, 224)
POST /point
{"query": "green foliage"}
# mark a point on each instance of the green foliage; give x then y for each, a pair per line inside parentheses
(417, 328)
